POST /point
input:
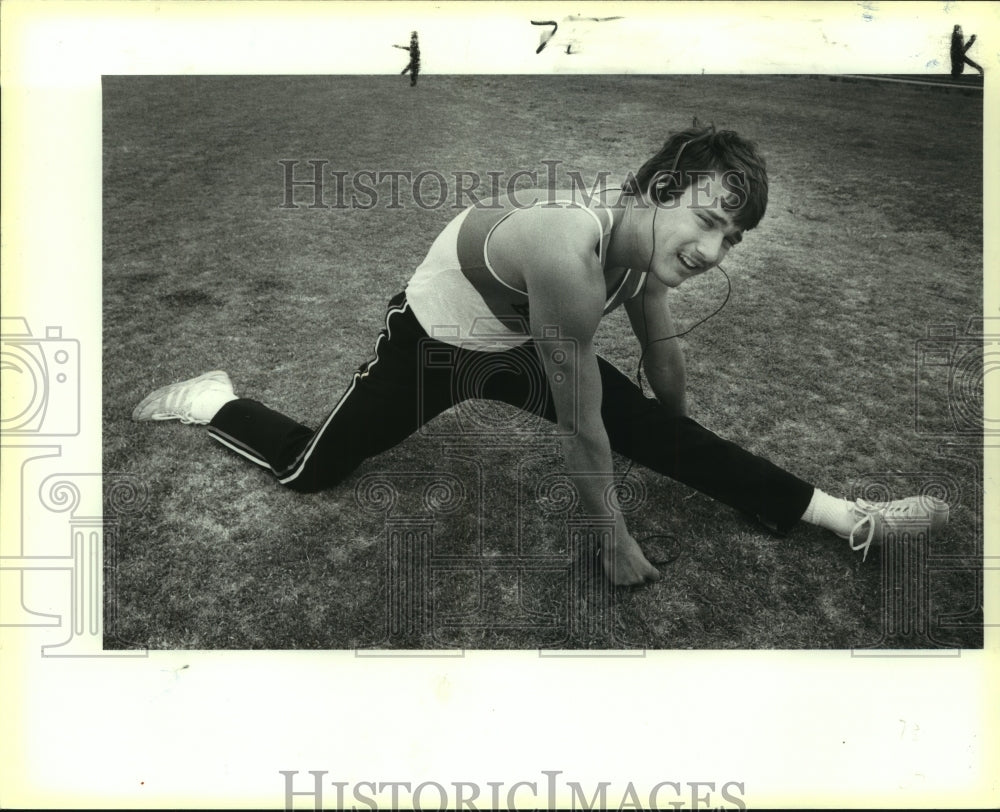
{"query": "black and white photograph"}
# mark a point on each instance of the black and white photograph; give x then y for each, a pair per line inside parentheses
(742, 404)
(544, 367)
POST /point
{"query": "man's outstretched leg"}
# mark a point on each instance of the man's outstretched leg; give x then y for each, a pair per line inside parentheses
(678, 447)
(251, 429)
(643, 430)
(388, 399)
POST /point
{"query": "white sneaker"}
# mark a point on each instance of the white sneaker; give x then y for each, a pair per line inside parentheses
(913, 515)
(192, 401)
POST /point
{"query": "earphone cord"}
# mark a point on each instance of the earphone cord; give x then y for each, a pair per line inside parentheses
(645, 349)
(729, 290)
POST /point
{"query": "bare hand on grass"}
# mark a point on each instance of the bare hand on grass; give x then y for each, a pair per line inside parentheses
(625, 565)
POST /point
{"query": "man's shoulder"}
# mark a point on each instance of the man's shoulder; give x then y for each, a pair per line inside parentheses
(571, 218)
(559, 221)
(547, 239)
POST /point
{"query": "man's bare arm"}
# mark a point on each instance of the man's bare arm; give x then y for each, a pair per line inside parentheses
(566, 291)
(662, 356)
(566, 306)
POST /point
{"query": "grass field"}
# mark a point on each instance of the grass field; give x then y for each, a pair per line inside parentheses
(873, 236)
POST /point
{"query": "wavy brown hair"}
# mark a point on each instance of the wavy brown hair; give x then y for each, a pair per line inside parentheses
(688, 154)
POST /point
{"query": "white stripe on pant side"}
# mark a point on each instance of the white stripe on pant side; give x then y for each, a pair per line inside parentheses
(308, 450)
(243, 451)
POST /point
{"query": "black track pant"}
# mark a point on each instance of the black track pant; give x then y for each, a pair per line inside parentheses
(414, 378)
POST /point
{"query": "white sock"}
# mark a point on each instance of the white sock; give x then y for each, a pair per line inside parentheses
(208, 403)
(830, 513)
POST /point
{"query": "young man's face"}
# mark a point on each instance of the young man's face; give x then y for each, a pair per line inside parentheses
(693, 233)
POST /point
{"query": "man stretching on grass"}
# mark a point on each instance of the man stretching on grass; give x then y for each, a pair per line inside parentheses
(520, 289)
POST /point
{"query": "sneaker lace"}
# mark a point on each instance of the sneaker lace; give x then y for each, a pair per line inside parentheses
(869, 519)
(902, 509)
